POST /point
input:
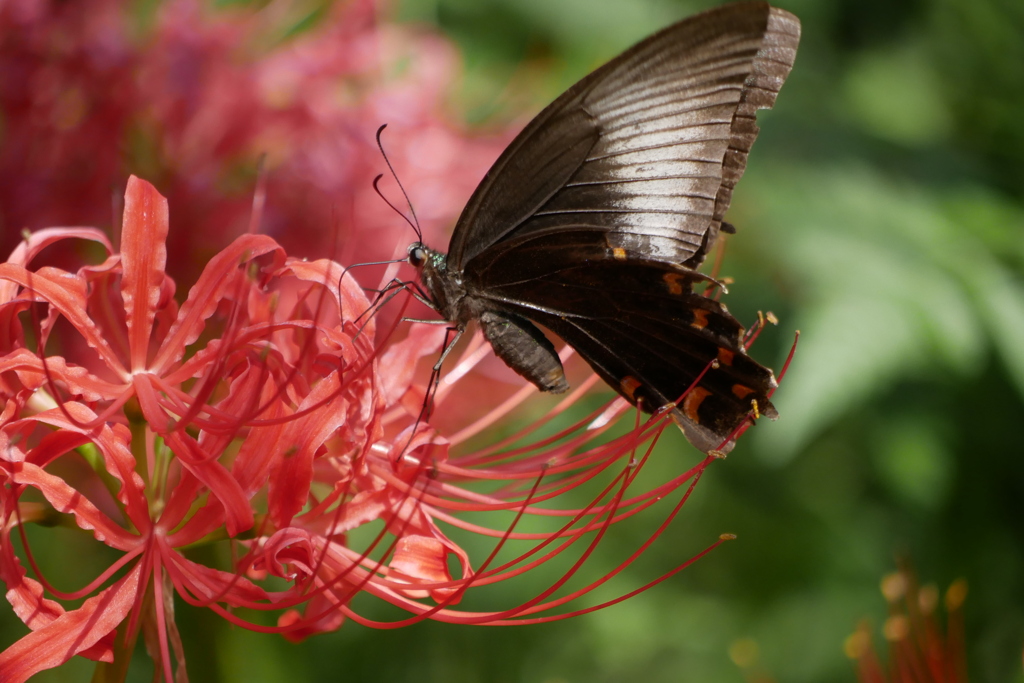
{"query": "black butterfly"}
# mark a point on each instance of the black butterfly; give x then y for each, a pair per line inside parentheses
(594, 220)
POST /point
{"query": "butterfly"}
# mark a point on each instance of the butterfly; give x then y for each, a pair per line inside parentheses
(594, 220)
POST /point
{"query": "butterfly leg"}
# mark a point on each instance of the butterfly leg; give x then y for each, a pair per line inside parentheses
(435, 374)
(389, 292)
(424, 321)
(422, 298)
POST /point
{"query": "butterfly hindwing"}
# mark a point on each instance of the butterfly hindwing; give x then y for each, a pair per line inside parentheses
(639, 325)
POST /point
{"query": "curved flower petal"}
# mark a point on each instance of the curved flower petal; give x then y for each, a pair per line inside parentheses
(420, 559)
(208, 584)
(322, 614)
(222, 485)
(400, 360)
(293, 472)
(66, 293)
(219, 281)
(112, 441)
(350, 297)
(39, 240)
(67, 499)
(78, 381)
(73, 632)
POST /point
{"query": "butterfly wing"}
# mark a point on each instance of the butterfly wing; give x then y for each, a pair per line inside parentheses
(638, 324)
(593, 220)
(647, 148)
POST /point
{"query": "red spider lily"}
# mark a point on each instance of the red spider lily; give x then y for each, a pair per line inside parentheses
(918, 649)
(260, 413)
(197, 95)
(159, 414)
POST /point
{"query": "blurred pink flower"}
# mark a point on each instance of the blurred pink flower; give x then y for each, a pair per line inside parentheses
(263, 413)
(193, 96)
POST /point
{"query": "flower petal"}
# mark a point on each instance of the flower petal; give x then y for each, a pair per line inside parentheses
(293, 473)
(65, 498)
(77, 380)
(39, 240)
(223, 486)
(219, 281)
(71, 633)
(419, 560)
(207, 583)
(143, 258)
(113, 444)
(351, 300)
(66, 293)
(398, 364)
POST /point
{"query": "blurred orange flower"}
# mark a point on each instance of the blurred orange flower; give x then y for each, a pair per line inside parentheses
(919, 650)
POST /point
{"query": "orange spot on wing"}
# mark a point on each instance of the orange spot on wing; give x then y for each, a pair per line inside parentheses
(700, 319)
(674, 282)
(741, 391)
(692, 402)
(619, 253)
(629, 385)
(725, 356)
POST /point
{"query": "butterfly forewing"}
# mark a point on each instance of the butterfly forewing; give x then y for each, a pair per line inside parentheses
(650, 144)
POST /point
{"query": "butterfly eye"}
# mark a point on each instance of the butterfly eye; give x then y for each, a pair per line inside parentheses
(417, 255)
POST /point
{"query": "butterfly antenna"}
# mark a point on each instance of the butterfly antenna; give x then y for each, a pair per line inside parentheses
(415, 222)
(376, 188)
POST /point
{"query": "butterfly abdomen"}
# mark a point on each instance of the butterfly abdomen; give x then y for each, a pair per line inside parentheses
(525, 349)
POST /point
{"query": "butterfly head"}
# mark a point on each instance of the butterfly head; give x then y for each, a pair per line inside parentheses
(423, 258)
(444, 289)
(417, 254)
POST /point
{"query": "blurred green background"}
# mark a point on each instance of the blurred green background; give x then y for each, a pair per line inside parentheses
(882, 214)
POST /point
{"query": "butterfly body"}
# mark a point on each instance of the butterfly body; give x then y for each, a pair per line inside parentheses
(594, 220)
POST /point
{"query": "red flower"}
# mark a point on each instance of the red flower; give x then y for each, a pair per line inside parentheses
(261, 413)
(159, 409)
